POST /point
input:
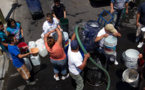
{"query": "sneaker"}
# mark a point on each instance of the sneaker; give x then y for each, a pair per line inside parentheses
(64, 77)
(56, 78)
(116, 63)
(140, 44)
(31, 83)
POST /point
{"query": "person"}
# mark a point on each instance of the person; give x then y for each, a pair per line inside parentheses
(57, 54)
(102, 34)
(140, 23)
(15, 28)
(76, 62)
(50, 24)
(117, 7)
(3, 38)
(58, 10)
(142, 83)
(18, 61)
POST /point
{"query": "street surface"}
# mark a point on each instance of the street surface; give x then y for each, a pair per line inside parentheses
(77, 11)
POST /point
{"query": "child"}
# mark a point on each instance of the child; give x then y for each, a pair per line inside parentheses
(3, 38)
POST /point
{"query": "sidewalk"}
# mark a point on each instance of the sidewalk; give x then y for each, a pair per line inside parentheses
(6, 7)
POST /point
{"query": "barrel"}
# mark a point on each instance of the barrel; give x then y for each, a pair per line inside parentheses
(130, 57)
(110, 45)
(64, 24)
(131, 76)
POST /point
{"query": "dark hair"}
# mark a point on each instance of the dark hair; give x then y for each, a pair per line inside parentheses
(50, 41)
(10, 38)
(1, 23)
(49, 15)
(56, 1)
(10, 21)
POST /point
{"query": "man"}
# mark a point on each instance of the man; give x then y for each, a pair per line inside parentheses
(117, 7)
(102, 34)
(18, 61)
(140, 23)
(58, 10)
(50, 24)
(3, 39)
(76, 62)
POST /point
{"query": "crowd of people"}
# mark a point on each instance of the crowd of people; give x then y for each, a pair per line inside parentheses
(76, 62)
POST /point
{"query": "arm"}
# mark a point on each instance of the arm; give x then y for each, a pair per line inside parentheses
(112, 9)
(84, 61)
(55, 16)
(137, 19)
(73, 37)
(59, 40)
(99, 38)
(23, 55)
(47, 35)
(60, 28)
(5, 44)
(64, 13)
(117, 34)
(126, 6)
(8, 33)
(22, 32)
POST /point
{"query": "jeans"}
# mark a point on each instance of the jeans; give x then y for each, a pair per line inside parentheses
(79, 81)
(59, 65)
(117, 14)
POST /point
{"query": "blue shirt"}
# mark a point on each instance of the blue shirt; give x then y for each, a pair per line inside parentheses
(14, 51)
(16, 31)
(119, 4)
(3, 38)
(141, 10)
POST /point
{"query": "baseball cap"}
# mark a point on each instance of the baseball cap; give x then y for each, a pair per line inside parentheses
(110, 28)
(74, 44)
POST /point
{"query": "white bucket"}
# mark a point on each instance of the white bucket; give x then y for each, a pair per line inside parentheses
(31, 44)
(131, 76)
(39, 41)
(28, 64)
(66, 37)
(42, 35)
(35, 60)
(130, 57)
(110, 44)
(42, 50)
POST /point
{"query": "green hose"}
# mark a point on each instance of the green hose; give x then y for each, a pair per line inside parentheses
(82, 47)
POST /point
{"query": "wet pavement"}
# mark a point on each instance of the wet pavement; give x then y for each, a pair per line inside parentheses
(77, 11)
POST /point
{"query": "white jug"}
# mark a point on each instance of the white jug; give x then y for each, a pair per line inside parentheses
(31, 44)
(39, 41)
(28, 64)
(42, 50)
(35, 60)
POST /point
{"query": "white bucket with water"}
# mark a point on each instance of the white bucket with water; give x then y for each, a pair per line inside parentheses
(42, 50)
(28, 64)
(110, 45)
(31, 44)
(66, 38)
(40, 41)
(131, 76)
(130, 57)
(35, 60)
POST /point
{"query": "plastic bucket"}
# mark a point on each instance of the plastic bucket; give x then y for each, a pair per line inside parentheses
(110, 45)
(130, 57)
(35, 60)
(35, 51)
(66, 38)
(31, 44)
(42, 50)
(28, 64)
(64, 23)
(131, 76)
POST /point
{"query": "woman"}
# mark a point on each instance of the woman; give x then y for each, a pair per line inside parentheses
(15, 28)
(57, 54)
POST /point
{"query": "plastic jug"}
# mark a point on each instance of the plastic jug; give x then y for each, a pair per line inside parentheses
(31, 44)
(35, 60)
(28, 64)
(39, 41)
(42, 50)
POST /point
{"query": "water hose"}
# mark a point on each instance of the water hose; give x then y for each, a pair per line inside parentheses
(82, 47)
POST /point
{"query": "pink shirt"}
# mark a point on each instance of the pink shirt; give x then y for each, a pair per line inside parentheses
(56, 52)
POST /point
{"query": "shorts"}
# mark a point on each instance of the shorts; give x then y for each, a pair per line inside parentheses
(24, 72)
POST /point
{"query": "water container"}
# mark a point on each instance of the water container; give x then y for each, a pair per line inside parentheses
(64, 24)
(110, 45)
(42, 35)
(31, 44)
(42, 50)
(35, 60)
(66, 38)
(131, 76)
(40, 41)
(130, 57)
(28, 64)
